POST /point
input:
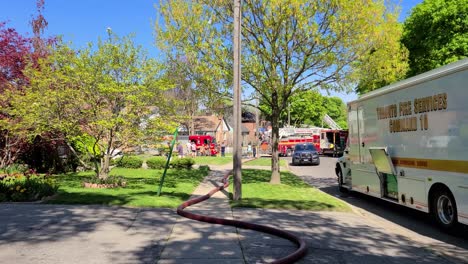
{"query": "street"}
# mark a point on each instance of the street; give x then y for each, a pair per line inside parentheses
(411, 223)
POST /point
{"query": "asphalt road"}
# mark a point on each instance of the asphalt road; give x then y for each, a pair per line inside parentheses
(408, 222)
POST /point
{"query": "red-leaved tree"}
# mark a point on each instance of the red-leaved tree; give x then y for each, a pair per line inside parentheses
(16, 52)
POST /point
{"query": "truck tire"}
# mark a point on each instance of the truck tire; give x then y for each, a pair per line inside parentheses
(444, 209)
(339, 174)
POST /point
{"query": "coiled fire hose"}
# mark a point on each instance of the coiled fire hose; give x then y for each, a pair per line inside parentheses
(291, 258)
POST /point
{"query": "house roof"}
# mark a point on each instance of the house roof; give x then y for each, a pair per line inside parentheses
(206, 123)
(230, 122)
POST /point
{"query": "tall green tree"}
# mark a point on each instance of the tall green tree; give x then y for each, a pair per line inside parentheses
(336, 109)
(305, 108)
(288, 46)
(102, 94)
(387, 61)
(436, 33)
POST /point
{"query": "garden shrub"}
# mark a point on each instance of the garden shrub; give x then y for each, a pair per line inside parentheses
(131, 162)
(109, 180)
(156, 163)
(14, 168)
(182, 163)
(19, 187)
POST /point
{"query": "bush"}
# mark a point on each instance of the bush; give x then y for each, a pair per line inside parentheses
(131, 162)
(109, 180)
(20, 187)
(156, 163)
(183, 163)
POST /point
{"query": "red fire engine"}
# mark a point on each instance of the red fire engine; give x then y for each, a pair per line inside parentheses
(327, 141)
(205, 140)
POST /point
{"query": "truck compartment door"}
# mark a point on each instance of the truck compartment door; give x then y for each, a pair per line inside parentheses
(386, 171)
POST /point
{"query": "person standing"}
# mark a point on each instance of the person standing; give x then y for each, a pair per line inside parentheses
(194, 149)
(202, 150)
(249, 150)
(180, 150)
(223, 149)
(189, 148)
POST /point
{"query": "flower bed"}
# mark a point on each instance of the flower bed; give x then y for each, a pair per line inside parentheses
(110, 182)
(103, 185)
(20, 187)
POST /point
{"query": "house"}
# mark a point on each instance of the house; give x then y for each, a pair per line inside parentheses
(214, 126)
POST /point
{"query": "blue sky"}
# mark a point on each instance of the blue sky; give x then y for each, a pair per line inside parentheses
(83, 21)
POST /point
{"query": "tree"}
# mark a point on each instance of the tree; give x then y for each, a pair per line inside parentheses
(16, 52)
(104, 93)
(289, 46)
(386, 62)
(436, 34)
(305, 108)
(336, 109)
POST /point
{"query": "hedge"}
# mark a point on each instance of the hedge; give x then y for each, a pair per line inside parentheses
(156, 163)
(131, 162)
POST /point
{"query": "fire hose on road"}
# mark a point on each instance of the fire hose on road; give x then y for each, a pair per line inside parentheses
(291, 258)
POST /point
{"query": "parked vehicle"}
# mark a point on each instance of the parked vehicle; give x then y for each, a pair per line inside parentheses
(305, 153)
(327, 141)
(290, 136)
(408, 144)
(205, 140)
(333, 142)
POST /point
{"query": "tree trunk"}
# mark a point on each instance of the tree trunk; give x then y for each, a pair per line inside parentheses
(73, 151)
(105, 164)
(275, 170)
(9, 153)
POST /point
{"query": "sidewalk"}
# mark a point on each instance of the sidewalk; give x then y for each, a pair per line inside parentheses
(198, 242)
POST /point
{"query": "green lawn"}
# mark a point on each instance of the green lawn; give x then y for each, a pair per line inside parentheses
(141, 189)
(205, 160)
(292, 193)
(264, 161)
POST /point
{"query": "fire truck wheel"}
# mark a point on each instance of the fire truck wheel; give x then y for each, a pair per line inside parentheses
(340, 180)
(444, 209)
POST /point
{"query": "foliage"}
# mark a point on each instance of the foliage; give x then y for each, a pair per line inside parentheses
(49, 154)
(336, 109)
(293, 193)
(140, 191)
(105, 92)
(15, 168)
(130, 162)
(386, 61)
(85, 144)
(182, 163)
(16, 52)
(176, 163)
(435, 34)
(156, 162)
(305, 108)
(19, 187)
(288, 46)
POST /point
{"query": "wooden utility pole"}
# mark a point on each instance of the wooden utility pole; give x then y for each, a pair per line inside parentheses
(237, 150)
